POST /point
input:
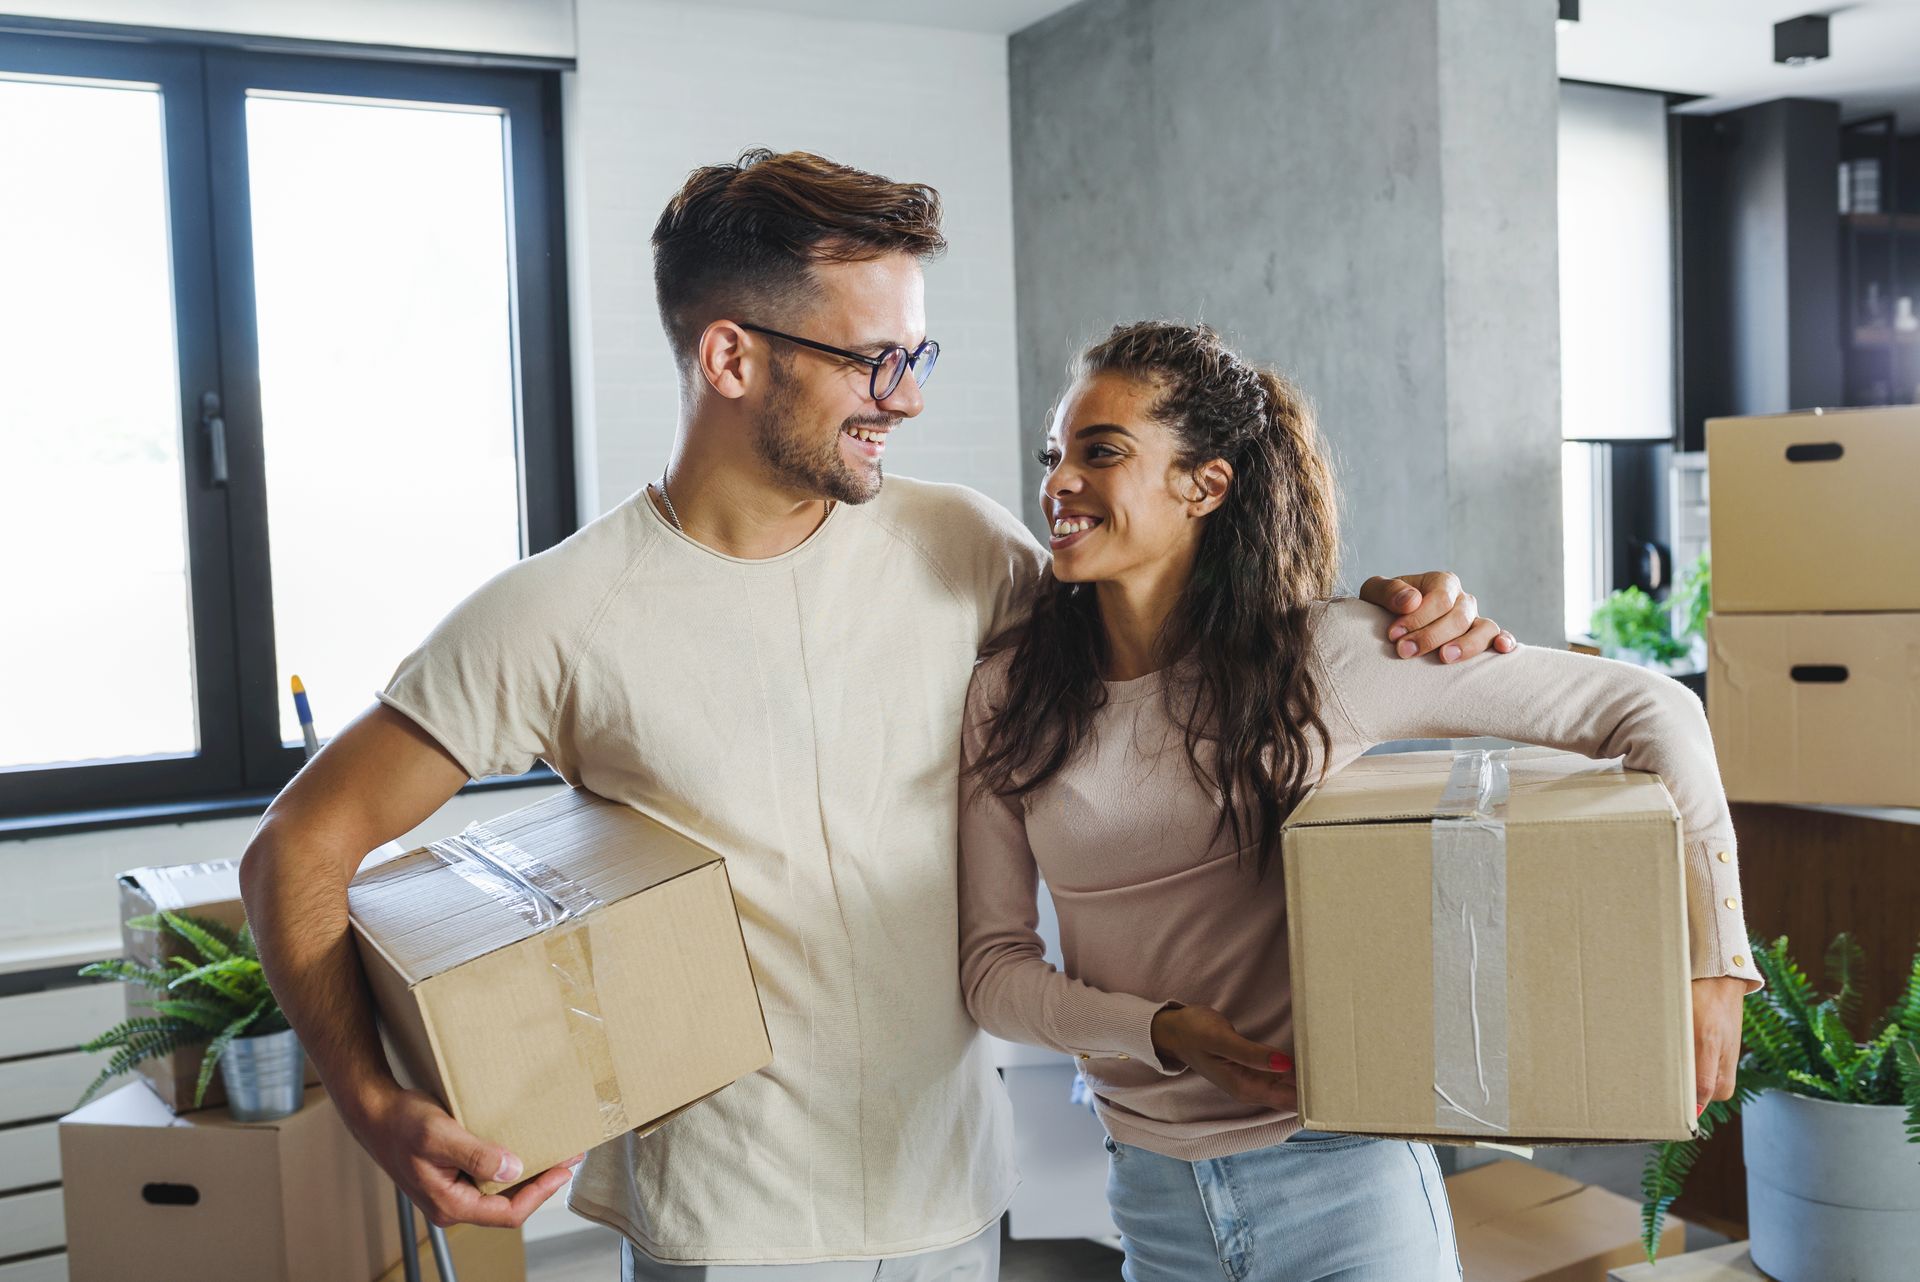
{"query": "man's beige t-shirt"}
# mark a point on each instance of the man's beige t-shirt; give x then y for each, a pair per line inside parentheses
(802, 716)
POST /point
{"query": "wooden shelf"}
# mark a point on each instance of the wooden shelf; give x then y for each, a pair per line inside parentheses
(1884, 336)
(1881, 222)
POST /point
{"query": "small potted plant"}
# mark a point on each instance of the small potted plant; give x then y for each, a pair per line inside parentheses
(1691, 602)
(1667, 636)
(218, 997)
(1633, 626)
(1832, 1127)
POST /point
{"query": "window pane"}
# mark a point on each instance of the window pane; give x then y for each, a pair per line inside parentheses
(96, 651)
(382, 270)
(1616, 266)
(1583, 510)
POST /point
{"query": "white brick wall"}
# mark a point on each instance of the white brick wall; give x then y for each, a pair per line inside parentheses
(665, 88)
(662, 89)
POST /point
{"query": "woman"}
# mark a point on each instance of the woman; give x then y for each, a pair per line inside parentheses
(1181, 684)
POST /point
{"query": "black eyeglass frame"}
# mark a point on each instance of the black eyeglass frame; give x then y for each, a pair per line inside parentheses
(874, 364)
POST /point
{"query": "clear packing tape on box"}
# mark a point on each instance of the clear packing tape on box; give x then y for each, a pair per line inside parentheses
(554, 907)
(1470, 936)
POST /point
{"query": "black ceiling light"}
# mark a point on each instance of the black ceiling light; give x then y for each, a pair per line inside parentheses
(1799, 41)
(1569, 10)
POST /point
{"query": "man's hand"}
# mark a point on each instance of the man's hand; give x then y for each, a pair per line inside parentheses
(426, 1152)
(1432, 613)
(378, 779)
(1207, 1043)
(1716, 1037)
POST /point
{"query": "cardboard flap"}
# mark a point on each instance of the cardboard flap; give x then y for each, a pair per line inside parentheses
(500, 882)
(1543, 784)
(1498, 1189)
(184, 887)
(1520, 1223)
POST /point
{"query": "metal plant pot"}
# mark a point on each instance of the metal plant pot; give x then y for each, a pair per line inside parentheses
(1833, 1190)
(265, 1076)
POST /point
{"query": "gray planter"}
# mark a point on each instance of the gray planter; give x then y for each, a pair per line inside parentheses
(1833, 1190)
(265, 1076)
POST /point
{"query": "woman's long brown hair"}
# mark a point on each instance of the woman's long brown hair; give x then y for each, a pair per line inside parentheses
(1266, 554)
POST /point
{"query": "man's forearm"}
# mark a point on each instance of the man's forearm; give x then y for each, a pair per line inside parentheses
(299, 916)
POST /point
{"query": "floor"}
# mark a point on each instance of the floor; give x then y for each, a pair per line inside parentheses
(594, 1256)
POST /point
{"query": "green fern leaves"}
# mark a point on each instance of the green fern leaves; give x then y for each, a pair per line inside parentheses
(1796, 1040)
(218, 994)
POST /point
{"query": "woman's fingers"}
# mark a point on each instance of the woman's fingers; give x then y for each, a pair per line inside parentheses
(1478, 639)
(1250, 1086)
(1444, 632)
(1716, 1037)
(1395, 596)
(1216, 1035)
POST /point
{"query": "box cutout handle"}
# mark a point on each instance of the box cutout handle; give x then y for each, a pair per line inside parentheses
(171, 1194)
(1823, 452)
(1819, 673)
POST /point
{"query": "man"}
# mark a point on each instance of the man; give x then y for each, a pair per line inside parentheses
(769, 651)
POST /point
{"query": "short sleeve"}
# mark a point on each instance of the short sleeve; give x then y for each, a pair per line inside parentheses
(488, 681)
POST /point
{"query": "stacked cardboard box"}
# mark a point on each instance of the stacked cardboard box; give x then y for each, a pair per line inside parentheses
(1813, 678)
(157, 1188)
(154, 1194)
(1536, 986)
(479, 1255)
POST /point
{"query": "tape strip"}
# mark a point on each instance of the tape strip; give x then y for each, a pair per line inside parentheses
(1470, 945)
(556, 906)
(570, 953)
(541, 895)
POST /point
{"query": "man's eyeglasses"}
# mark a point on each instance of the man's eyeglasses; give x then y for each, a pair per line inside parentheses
(887, 369)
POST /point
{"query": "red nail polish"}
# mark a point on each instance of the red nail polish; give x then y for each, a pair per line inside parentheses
(1279, 1063)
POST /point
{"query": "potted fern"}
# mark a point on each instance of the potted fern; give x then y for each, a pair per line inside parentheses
(219, 997)
(1832, 1127)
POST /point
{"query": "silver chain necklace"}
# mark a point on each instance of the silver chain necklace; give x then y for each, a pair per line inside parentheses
(671, 514)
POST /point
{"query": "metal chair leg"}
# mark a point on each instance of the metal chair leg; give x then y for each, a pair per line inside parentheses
(409, 1249)
(442, 1254)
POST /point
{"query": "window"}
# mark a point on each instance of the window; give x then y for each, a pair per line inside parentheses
(283, 375)
(1617, 392)
(1585, 504)
(1616, 266)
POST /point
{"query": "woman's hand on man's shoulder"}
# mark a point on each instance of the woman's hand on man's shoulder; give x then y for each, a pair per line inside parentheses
(1433, 614)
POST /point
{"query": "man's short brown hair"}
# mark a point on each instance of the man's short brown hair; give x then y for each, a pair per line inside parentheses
(739, 241)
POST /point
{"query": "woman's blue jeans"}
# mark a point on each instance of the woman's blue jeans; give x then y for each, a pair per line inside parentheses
(1318, 1208)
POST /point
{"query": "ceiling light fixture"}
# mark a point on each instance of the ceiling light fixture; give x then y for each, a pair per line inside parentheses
(1800, 41)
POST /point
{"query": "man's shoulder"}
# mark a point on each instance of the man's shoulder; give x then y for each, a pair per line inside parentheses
(944, 514)
(574, 574)
(971, 543)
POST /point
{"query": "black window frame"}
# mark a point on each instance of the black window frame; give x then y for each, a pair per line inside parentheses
(204, 82)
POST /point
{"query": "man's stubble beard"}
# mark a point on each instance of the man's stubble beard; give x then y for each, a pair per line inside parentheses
(816, 469)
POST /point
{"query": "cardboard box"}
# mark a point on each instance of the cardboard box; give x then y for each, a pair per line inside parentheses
(561, 975)
(1517, 1222)
(209, 890)
(1821, 708)
(1729, 1263)
(479, 1255)
(1491, 946)
(176, 1198)
(1815, 511)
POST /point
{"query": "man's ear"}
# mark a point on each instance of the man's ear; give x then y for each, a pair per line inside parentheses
(1212, 480)
(725, 359)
